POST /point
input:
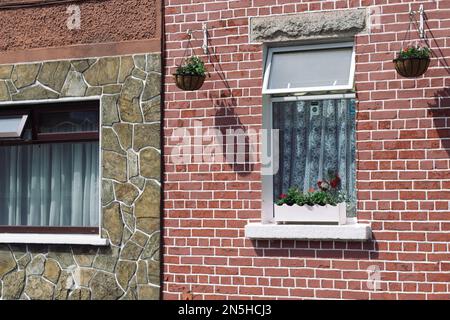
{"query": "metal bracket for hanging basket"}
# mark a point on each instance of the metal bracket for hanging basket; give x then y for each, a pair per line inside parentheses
(421, 22)
(205, 37)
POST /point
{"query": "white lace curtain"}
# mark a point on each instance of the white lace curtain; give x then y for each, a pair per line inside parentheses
(55, 184)
(315, 137)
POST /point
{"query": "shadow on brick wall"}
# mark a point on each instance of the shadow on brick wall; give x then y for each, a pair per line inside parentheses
(236, 144)
(440, 111)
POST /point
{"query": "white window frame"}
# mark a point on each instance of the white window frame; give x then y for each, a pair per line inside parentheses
(20, 127)
(271, 51)
(69, 239)
(267, 180)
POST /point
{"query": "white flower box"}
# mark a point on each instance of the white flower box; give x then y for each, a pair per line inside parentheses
(311, 214)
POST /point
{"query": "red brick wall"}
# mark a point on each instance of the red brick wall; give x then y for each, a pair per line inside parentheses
(403, 175)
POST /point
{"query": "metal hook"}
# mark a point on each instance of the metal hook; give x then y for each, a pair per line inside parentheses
(205, 38)
(189, 33)
(421, 12)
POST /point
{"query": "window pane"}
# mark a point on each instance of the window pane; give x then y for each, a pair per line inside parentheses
(73, 121)
(312, 68)
(12, 126)
(50, 185)
(316, 137)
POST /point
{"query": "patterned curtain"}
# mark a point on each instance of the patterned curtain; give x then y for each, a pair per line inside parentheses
(316, 137)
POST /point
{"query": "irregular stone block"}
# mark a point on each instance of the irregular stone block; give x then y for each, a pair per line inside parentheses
(36, 267)
(12, 89)
(147, 292)
(138, 73)
(129, 108)
(7, 262)
(104, 71)
(133, 169)
(36, 92)
(128, 217)
(129, 295)
(141, 273)
(153, 62)
(13, 284)
(148, 205)
(146, 135)
(93, 91)
(5, 71)
(148, 225)
(126, 193)
(138, 181)
(110, 113)
(153, 271)
(131, 251)
(80, 294)
(80, 65)
(152, 246)
(126, 67)
(140, 238)
(63, 255)
(114, 166)
(152, 109)
(24, 261)
(52, 271)
(4, 91)
(112, 89)
(125, 133)
(82, 276)
(309, 25)
(84, 256)
(107, 192)
(106, 258)
(152, 86)
(53, 74)
(124, 271)
(25, 74)
(64, 285)
(39, 289)
(110, 141)
(74, 86)
(139, 61)
(105, 287)
(150, 163)
(112, 222)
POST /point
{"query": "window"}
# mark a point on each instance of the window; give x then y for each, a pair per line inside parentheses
(49, 177)
(309, 68)
(312, 106)
(12, 126)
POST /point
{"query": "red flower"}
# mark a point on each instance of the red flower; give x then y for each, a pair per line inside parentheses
(283, 195)
(319, 184)
(335, 182)
(311, 190)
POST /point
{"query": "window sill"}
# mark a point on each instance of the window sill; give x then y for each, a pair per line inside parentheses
(35, 238)
(346, 232)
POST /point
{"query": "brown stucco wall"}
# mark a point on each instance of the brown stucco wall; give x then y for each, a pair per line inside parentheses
(102, 21)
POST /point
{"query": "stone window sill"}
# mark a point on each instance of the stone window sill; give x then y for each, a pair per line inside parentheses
(351, 231)
(34, 238)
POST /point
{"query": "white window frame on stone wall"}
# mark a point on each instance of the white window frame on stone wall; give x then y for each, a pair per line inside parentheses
(292, 49)
(61, 238)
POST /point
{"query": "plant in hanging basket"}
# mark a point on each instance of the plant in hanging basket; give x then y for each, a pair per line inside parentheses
(412, 62)
(191, 74)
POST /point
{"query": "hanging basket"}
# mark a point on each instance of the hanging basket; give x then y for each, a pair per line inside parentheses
(189, 82)
(411, 67)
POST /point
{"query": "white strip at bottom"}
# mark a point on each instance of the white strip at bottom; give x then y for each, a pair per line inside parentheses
(346, 232)
(36, 238)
